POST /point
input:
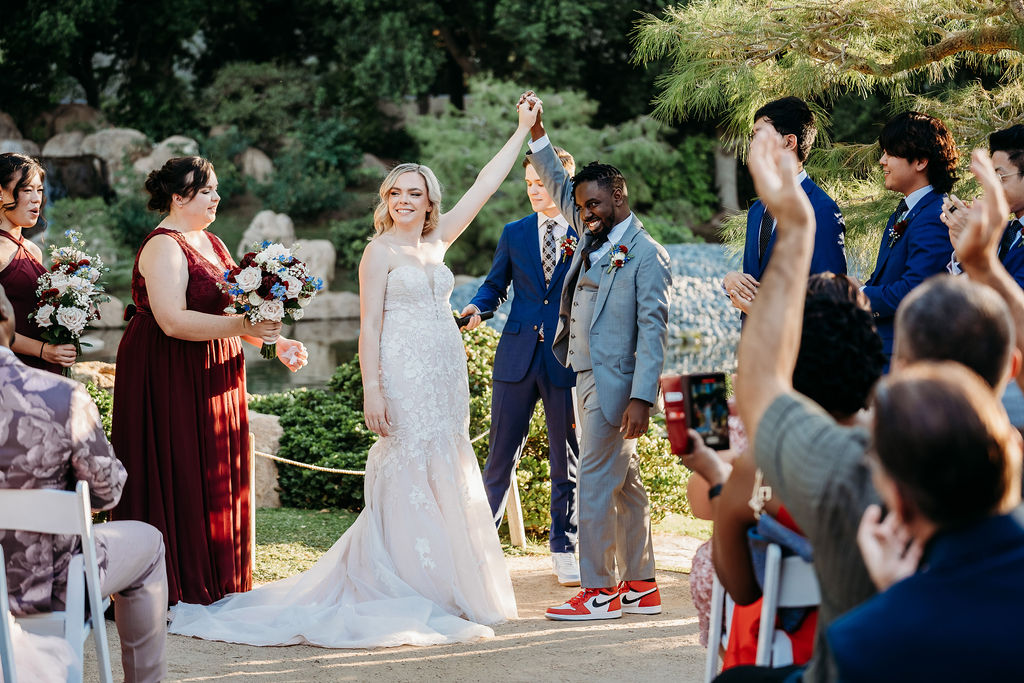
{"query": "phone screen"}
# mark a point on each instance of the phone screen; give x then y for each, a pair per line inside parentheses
(709, 409)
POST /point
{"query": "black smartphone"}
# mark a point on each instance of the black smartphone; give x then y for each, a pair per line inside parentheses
(707, 408)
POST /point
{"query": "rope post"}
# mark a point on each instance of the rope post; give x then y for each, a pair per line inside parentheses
(514, 512)
(252, 503)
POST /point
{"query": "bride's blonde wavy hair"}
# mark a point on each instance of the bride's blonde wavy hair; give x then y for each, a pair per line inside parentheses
(382, 221)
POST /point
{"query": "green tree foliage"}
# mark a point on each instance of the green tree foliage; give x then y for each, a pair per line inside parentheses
(959, 60)
(672, 184)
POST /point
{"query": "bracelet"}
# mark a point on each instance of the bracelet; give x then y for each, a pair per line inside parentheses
(41, 345)
(714, 491)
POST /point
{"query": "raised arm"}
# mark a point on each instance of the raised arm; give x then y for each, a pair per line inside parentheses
(771, 337)
(979, 242)
(453, 222)
(373, 278)
(556, 179)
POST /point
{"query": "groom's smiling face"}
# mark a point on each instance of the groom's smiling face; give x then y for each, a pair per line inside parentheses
(599, 207)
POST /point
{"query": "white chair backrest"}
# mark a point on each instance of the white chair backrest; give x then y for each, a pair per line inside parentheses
(6, 646)
(714, 629)
(47, 511)
(787, 583)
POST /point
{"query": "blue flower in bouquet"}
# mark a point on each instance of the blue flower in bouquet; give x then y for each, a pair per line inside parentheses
(279, 292)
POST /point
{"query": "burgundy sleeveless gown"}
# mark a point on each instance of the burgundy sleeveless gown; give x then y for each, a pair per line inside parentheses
(20, 279)
(181, 428)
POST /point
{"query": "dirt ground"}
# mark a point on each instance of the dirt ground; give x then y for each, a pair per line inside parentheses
(634, 648)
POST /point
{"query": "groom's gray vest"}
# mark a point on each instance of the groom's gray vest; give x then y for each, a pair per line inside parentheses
(583, 303)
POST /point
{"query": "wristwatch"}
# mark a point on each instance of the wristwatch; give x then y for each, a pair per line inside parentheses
(714, 491)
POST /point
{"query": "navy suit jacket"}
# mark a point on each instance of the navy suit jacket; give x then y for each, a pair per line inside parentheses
(957, 619)
(829, 235)
(921, 252)
(517, 261)
(1013, 261)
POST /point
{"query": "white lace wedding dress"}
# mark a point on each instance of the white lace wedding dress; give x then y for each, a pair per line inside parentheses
(422, 564)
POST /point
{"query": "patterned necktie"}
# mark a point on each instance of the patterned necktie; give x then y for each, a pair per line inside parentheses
(593, 243)
(765, 235)
(1009, 235)
(901, 209)
(550, 251)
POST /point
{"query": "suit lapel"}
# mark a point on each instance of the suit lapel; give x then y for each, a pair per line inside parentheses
(531, 234)
(884, 250)
(628, 238)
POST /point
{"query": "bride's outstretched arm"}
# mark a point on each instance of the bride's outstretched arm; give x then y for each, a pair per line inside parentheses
(373, 275)
(488, 180)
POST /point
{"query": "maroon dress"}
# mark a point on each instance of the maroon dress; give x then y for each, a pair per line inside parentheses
(20, 278)
(181, 428)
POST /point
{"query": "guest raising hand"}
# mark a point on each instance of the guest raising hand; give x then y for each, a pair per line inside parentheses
(180, 420)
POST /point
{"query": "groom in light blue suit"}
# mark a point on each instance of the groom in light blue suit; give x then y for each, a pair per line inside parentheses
(612, 330)
(531, 258)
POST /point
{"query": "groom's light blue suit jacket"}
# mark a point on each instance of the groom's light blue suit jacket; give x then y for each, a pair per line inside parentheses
(629, 329)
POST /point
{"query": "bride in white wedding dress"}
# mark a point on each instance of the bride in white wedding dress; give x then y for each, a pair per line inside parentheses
(422, 564)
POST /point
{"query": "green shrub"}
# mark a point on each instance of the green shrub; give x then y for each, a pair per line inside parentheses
(98, 224)
(104, 401)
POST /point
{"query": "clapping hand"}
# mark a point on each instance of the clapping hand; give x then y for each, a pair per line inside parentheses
(985, 219)
(889, 552)
(954, 215)
(774, 169)
(292, 353)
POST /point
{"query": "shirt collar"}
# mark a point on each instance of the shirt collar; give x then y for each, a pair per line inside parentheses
(559, 218)
(801, 176)
(619, 230)
(917, 195)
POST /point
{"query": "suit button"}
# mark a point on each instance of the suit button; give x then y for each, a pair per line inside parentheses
(575, 303)
(534, 327)
(876, 315)
(573, 320)
(545, 302)
(572, 336)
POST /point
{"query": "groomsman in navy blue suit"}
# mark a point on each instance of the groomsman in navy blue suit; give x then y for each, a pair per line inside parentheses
(918, 161)
(791, 118)
(531, 255)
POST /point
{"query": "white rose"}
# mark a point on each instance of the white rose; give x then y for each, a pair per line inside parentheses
(43, 315)
(297, 314)
(272, 253)
(293, 286)
(249, 279)
(79, 284)
(272, 310)
(94, 274)
(255, 299)
(73, 319)
(59, 281)
(304, 301)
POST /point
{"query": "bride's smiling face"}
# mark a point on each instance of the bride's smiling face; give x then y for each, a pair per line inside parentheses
(408, 201)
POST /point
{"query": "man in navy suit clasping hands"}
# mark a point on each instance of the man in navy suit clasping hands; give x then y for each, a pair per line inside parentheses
(533, 254)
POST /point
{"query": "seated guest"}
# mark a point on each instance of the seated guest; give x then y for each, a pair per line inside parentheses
(947, 464)
(918, 161)
(791, 118)
(827, 496)
(839, 361)
(52, 437)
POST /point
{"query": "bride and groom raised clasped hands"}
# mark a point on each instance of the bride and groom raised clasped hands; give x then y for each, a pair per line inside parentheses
(422, 564)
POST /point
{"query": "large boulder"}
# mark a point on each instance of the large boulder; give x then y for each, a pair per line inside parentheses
(73, 116)
(64, 145)
(270, 226)
(319, 256)
(99, 373)
(115, 146)
(163, 151)
(267, 431)
(374, 165)
(111, 315)
(255, 164)
(20, 146)
(8, 129)
(333, 306)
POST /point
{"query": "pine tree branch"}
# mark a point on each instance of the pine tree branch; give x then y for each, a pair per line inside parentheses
(1016, 9)
(986, 40)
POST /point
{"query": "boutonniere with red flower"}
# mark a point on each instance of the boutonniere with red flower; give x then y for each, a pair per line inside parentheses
(896, 231)
(620, 257)
(568, 247)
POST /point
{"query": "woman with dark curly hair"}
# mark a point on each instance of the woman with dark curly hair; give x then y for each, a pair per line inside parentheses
(839, 362)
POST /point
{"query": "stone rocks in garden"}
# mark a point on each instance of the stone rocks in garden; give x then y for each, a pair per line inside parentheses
(218, 130)
(115, 146)
(8, 129)
(111, 315)
(20, 146)
(163, 151)
(255, 164)
(73, 116)
(319, 256)
(64, 145)
(374, 165)
(267, 431)
(267, 225)
(333, 306)
(99, 373)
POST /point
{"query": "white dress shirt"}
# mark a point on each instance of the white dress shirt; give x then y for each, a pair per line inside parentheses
(559, 232)
(613, 237)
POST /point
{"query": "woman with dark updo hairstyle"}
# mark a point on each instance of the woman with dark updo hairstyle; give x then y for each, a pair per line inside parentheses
(180, 422)
(21, 261)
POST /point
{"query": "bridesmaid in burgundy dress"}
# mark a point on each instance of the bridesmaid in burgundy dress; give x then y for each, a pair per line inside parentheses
(180, 421)
(21, 261)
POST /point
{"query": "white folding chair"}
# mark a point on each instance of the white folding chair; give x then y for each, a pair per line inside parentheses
(714, 630)
(788, 582)
(47, 511)
(6, 647)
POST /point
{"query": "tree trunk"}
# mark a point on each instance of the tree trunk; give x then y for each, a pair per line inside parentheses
(726, 177)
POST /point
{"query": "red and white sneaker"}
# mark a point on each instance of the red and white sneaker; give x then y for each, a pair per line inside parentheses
(589, 603)
(640, 597)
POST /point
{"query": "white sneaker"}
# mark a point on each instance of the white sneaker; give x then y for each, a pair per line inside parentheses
(567, 569)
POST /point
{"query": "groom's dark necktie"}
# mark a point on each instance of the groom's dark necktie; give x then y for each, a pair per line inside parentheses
(765, 235)
(592, 243)
(1009, 235)
(901, 209)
